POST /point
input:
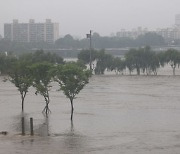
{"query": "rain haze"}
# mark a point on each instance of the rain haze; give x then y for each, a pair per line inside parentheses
(131, 104)
(77, 17)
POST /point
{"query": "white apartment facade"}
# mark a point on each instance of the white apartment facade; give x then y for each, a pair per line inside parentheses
(31, 32)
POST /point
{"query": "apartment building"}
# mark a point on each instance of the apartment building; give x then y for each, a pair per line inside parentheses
(169, 34)
(134, 33)
(31, 32)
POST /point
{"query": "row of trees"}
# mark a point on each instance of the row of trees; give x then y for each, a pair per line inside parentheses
(140, 60)
(7, 59)
(100, 42)
(20, 47)
(40, 69)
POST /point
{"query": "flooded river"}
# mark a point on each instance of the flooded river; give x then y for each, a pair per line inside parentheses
(113, 114)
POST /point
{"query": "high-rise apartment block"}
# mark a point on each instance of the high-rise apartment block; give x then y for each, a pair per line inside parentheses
(31, 32)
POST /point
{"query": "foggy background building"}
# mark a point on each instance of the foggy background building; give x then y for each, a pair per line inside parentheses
(169, 33)
(177, 20)
(31, 32)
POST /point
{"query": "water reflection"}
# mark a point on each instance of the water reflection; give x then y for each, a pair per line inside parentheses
(22, 121)
(127, 114)
(74, 141)
(18, 122)
(71, 141)
(43, 129)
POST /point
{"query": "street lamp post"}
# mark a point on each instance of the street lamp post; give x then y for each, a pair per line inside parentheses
(90, 49)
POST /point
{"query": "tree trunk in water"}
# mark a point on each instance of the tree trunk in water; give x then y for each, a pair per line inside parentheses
(22, 103)
(46, 109)
(173, 70)
(23, 95)
(72, 109)
(138, 71)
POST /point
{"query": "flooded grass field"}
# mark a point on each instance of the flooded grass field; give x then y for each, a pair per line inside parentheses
(113, 114)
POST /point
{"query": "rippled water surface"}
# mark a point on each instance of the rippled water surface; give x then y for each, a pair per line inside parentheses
(113, 114)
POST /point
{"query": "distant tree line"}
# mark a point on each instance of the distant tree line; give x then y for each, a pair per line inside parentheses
(19, 47)
(99, 42)
(102, 42)
(141, 60)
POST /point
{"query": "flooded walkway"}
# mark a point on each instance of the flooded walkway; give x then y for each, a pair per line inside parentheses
(113, 114)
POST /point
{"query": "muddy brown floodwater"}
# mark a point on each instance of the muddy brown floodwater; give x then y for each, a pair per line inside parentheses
(113, 115)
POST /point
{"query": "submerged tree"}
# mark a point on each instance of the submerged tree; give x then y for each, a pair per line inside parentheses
(133, 60)
(71, 78)
(85, 55)
(41, 81)
(118, 65)
(142, 59)
(172, 57)
(6, 61)
(20, 76)
(149, 61)
(41, 56)
(104, 61)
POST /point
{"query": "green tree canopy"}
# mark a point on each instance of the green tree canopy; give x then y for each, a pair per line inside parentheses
(71, 78)
(118, 65)
(172, 57)
(42, 76)
(6, 62)
(84, 55)
(142, 59)
(104, 61)
(21, 77)
(41, 56)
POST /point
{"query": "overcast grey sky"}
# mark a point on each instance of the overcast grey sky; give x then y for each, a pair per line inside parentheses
(77, 17)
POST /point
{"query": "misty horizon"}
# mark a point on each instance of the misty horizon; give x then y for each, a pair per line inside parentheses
(104, 17)
(84, 35)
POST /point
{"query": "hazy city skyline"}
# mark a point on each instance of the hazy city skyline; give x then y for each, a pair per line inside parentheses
(77, 17)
